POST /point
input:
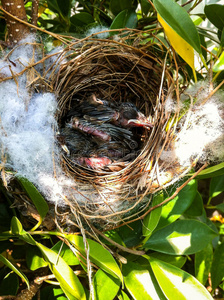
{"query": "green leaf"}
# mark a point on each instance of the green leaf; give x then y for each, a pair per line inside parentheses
(105, 286)
(37, 199)
(81, 19)
(66, 253)
(9, 285)
(217, 270)
(196, 207)
(141, 283)
(220, 207)
(174, 260)
(181, 237)
(69, 282)
(117, 6)
(211, 171)
(176, 207)
(216, 186)
(145, 6)
(14, 269)
(203, 263)
(123, 296)
(125, 19)
(215, 14)
(178, 284)
(219, 65)
(16, 226)
(52, 293)
(179, 20)
(151, 220)
(98, 255)
(34, 259)
(64, 7)
(17, 229)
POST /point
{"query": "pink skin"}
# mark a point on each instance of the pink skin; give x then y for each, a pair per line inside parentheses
(92, 131)
(94, 162)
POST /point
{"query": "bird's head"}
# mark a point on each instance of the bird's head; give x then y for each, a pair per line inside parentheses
(130, 116)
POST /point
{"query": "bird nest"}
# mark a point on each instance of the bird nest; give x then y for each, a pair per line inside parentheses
(121, 70)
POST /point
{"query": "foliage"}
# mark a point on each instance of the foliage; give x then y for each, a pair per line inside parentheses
(177, 249)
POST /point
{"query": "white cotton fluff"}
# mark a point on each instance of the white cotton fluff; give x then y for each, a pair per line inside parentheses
(100, 32)
(201, 132)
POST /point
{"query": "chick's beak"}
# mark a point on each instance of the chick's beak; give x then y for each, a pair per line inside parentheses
(141, 122)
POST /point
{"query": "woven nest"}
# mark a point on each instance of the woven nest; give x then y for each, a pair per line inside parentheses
(119, 72)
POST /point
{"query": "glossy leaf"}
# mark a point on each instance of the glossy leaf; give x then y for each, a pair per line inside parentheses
(151, 220)
(203, 263)
(37, 199)
(174, 260)
(216, 186)
(116, 6)
(196, 207)
(123, 296)
(178, 284)
(215, 14)
(183, 48)
(6, 262)
(141, 283)
(66, 253)
(105, 286)
(17, 229)
(176, 207)
(34, 259)
(219, 65)
(125, 19)
(181, 237)
(179, 20)
(52, 293)
(217, 270)
(212, 171)
(69, 282)
(98, 255)
(81, 19)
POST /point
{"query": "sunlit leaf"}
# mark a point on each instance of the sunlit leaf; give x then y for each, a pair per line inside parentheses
(177, 206)
(66, 253)
(203, 263)
(178, 284)
(6, 262)
(181, 237)
(105, 286)
(151, 220)
(141, 283)
(182, 47)
(174, 260)
(34, 259)
(217, 270)
(211, 171)
(69, 282)
(37, 199)
(98, 255)
(219, 65)
(216, 186)
(17, 229)
(179, 21)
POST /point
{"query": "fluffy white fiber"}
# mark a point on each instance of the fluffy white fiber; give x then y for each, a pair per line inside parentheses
(201, 132)
(27, 129)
